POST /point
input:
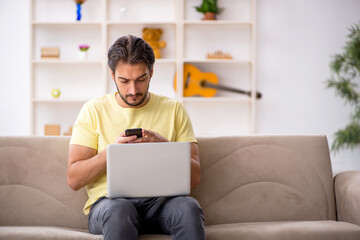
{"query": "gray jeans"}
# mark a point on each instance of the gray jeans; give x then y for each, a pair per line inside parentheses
(180, 217)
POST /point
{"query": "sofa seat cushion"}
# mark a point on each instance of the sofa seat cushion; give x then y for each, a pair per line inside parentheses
(35, 233)
(29, 233)
(309, 230)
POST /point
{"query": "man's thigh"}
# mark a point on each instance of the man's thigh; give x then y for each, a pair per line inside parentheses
(176, 210)
(114, 211)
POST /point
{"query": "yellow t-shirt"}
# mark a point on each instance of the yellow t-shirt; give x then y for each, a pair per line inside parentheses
(101, 121)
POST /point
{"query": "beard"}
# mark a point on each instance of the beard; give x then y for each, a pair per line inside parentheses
(134, 104)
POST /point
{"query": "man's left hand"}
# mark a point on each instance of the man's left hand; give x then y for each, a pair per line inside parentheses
(149, 136)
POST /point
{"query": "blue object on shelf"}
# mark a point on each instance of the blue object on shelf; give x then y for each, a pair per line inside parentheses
(78, 11)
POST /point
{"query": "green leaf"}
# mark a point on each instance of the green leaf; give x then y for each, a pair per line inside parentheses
(209, 6)
(347, 138)
(337, 63)
(346, 89)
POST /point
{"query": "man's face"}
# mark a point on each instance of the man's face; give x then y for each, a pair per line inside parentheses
(132, 82)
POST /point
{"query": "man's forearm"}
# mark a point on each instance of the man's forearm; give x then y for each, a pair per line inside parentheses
(85, 171)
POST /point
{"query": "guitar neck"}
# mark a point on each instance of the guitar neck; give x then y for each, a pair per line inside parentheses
(205, 83)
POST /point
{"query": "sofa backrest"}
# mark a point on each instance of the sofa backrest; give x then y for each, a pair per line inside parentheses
(265, 178)
(33, 187)
(244, 179)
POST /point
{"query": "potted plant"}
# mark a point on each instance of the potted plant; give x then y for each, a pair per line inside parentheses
(83, 51)
(209, 8)
(345, 69)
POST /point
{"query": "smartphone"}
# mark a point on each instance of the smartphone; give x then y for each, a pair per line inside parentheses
(133, 131)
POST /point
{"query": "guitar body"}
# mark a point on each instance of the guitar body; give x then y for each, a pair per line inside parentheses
(192, 82)
(197, 83)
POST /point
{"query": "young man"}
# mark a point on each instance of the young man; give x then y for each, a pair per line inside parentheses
(102, 121)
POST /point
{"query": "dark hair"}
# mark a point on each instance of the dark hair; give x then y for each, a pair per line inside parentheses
(130, 49)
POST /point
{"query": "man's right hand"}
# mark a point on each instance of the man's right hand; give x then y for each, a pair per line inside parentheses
(124, 139)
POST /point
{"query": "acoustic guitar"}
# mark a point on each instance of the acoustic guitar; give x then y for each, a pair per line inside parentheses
(205, 84)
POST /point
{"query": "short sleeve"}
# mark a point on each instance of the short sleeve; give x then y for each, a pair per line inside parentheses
(85, 128)
(183, 125)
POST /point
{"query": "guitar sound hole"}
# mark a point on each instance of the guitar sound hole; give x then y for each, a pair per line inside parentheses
(203, 83)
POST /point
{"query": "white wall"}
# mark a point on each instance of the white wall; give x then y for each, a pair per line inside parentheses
(14, 68)
(295, 39)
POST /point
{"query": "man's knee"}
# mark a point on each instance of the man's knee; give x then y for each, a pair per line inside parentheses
(115, 219)
(188, 208)
(186, 219)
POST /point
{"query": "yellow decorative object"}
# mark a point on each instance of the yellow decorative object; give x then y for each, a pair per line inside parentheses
(152, 37)
(55, 93)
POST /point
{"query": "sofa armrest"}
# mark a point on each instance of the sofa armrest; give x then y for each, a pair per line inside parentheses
(347, 194)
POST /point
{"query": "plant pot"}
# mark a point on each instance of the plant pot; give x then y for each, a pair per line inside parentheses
(209, 16)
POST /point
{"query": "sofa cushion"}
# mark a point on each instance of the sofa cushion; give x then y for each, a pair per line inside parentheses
(49, 233)
(309, 230)
(33, 187)
(265, 178)
(33, 233)
(347, 193)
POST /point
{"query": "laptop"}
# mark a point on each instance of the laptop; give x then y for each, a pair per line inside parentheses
(148, 169)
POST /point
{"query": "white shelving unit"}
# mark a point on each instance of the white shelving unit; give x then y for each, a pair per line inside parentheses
(188, 38)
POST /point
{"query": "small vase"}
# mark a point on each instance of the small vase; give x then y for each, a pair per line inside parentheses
(82, 55)
(78, 12)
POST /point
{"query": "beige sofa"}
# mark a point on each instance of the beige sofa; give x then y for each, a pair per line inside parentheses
(253, 187)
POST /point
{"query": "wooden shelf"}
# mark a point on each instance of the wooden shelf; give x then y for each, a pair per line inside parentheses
(59, 100)
(216, 22)
(65, 61)
(43, 23)
(216, 61)
(217, 99)
(140, 23)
